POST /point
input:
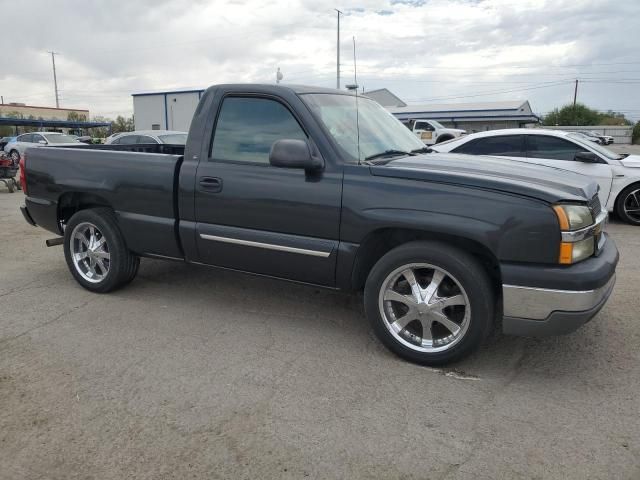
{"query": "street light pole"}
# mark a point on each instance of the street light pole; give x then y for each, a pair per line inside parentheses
(338, 52)
(55, 78)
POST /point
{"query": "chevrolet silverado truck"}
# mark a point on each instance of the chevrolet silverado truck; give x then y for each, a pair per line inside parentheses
(327, 188)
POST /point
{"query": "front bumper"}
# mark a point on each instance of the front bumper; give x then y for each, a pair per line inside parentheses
(571, 297)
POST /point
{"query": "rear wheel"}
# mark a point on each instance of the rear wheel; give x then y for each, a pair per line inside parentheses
(429, 303)
(96, 253)
(628, 204)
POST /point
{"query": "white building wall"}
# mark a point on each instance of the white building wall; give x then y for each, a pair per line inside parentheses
(621, 134)
(165, 111)
(181, 107)
(148, 110)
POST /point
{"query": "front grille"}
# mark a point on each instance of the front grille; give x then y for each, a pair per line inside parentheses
(594, 205)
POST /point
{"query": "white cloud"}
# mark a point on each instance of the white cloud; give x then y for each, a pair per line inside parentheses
(421, 49)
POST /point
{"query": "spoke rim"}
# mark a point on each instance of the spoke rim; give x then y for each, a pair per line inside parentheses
(90, 252)
(631, 205)
(424, 307)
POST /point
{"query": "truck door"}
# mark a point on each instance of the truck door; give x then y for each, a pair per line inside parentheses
(253, 217)
(425, 132)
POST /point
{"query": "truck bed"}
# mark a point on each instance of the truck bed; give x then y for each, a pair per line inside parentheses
(141, 188)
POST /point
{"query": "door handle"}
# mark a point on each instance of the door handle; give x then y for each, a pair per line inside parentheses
(211, 184)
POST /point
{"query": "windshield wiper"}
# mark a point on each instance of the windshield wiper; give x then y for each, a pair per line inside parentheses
(388, 153)
(423, 150)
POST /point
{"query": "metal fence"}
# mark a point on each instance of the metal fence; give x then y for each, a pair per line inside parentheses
(620, 134)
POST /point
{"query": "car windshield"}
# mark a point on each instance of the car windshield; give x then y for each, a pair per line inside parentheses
(579, 138)
(372, 131)
(437, 124)
(174, 138)
(60, 138)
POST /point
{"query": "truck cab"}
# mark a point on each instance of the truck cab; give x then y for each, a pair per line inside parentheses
(431, 132)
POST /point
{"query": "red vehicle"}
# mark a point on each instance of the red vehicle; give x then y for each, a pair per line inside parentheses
(8, 172)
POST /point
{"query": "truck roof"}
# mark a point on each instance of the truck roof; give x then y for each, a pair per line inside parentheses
(299, 89)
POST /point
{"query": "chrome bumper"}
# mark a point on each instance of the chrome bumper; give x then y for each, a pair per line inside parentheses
(538, 311)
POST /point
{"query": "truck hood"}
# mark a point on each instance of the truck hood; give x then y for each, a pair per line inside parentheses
(545, 183)
(632, 161)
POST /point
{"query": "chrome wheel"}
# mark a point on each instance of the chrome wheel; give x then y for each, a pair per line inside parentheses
(90, 252)
(631, 205)
(424, 307)
(15, 156)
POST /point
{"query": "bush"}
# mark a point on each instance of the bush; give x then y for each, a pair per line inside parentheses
(636, 133)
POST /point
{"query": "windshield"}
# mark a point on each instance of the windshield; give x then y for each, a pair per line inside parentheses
(379, 130)
(579, 138)
(174, 138)
(60, 138)
(436, 124)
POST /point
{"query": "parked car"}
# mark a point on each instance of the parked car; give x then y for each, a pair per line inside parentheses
(617, 174)
(4, 141)
(17, 147)
(591, 137)
(431, 132)
(168, 137)
(283, 182)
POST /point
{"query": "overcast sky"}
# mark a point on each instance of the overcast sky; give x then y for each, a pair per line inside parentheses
(425, 51)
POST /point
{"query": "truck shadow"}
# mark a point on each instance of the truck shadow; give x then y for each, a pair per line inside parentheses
(336, 320)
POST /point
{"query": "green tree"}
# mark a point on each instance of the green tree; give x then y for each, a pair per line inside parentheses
(100, 132)
(636, 132)
(582, 115)
(572, 115)
(122, 124)
(76, 117)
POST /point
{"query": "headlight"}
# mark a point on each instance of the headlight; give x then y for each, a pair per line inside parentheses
(573, 217)
(580, 244)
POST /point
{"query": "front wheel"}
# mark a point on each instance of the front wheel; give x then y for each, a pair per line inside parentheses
(429, 303)
(96, 253)
(15, 156)
(628, 205)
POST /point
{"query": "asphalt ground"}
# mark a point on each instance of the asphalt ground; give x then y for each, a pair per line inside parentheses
(193, 372)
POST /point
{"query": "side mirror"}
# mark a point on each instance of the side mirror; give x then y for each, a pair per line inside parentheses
(289, 153)
(42, 142)
(587, 157)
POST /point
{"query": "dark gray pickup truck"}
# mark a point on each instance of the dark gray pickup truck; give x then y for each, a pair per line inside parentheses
(322, 187)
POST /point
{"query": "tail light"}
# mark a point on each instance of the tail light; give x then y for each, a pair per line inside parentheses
(23, 173)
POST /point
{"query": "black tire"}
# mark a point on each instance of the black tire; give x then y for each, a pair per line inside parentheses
(123, 265)
(15, 155)
(626, 197)
(133, 270)
(466, 270)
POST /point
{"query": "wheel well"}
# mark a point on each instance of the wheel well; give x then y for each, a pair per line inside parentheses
(444, 137)
(382, 241)
(72, 202)
(634, 184)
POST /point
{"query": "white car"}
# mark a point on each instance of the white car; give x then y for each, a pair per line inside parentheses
(617, 174)
(16, 148)
(148, 137)
(432, 132)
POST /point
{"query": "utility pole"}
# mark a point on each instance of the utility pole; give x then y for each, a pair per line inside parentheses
(55, 78)
(575, 94)
(338, 54)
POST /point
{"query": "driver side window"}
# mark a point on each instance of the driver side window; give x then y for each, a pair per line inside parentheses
(247, 127)
(554, 148)
(424, 126)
